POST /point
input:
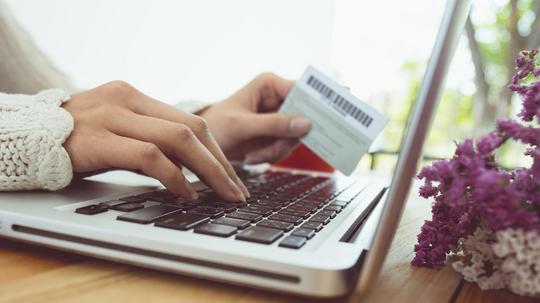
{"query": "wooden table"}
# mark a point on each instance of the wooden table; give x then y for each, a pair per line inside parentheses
(33, 274)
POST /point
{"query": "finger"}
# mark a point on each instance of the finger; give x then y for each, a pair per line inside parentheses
(272, 90)
(128, 153)
(276, 125)
(148, 106)
(282, 86)
(180, 142)
(278, 150)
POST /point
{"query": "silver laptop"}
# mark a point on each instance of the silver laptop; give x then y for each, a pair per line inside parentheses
(304, 233)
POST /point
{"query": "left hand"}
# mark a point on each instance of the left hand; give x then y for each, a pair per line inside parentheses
(247, 126)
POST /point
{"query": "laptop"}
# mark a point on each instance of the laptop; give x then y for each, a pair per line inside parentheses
(304, 233)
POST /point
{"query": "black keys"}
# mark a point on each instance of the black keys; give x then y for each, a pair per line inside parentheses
(293, 242)
(185, 205)
(216, 230)
(270, 204)
(307, 233)
(207, 211)
(297, 213)
(245, 216)
(148, 214)
(286, 218)
(161, 194)
(133, 199)
(264, 211)
(252, 200)
(182, 221)
(339, 203)
(329, 213)
(112, 203)
(285, 226)
(226, 207)
(239, 223)
(310, 208)
(128, 206)
(91, 209)
(320, 218)
(333, 208)
(313, 225)
(260, 234)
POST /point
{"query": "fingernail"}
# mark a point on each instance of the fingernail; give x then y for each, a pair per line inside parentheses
(192, 193)
(243, 187)
(236, 191)
(299, 125)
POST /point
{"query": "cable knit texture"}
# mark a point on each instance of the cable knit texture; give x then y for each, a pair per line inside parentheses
(32, 131)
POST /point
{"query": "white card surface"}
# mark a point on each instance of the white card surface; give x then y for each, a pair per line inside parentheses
(342, 126)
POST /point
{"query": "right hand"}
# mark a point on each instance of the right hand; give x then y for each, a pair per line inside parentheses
(116, 126)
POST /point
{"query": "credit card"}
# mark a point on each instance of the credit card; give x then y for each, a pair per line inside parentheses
(342, 126)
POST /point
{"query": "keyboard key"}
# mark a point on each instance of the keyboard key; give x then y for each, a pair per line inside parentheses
(293, 242)
(185, 205)
(182, 221)
(268, 204)
(216, 230)
(146, 195)
(252, 200)
(329, 213)
(286, 218)
(245, 216)
(209, 197)
(338, 203)
(307, 233)
(313, 203)
(128, 206)
(226, 207)
(320, 218)
(164, 193)
(285, 226)
(298, 213)
(207, 211)
(313, 225)
(91, 209)
(148, 214)
(264, 211)
(239, 223)
(260, 234)
(133, 199)
(112, 203)
(150, 203)
(162, 196)
(333, 208)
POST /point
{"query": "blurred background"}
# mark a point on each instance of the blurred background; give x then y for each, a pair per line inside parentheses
(205, 50)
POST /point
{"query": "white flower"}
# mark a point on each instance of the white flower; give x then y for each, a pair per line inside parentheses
(510, 258)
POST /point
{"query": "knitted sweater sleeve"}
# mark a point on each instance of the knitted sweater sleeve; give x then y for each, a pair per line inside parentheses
(32, 131)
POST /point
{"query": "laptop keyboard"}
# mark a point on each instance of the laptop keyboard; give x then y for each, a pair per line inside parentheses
(283, 206)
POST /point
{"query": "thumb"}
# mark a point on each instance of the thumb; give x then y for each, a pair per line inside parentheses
(279, 125)
(276, 151)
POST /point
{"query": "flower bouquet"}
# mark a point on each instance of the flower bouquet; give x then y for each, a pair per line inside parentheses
(487, 216)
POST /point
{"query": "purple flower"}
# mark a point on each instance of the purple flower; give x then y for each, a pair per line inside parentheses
(472, 190)
(488, 143)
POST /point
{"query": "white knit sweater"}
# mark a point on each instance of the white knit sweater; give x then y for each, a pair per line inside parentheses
(32, 131)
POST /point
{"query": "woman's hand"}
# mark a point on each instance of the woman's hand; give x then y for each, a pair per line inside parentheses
(246, 124)
(117, 126)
